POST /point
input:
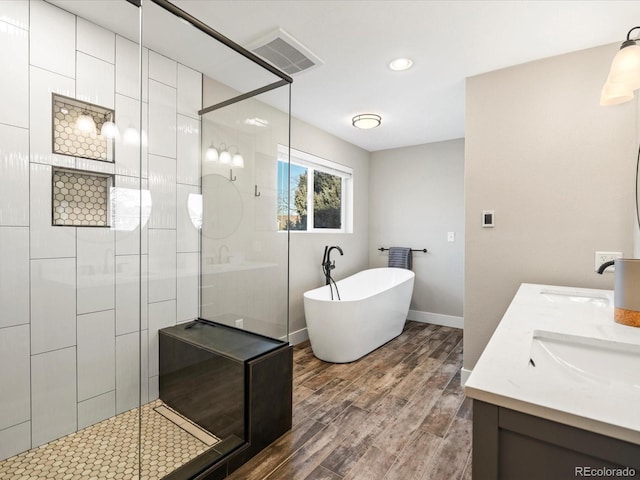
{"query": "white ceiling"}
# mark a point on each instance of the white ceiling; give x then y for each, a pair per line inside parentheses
(447, 40)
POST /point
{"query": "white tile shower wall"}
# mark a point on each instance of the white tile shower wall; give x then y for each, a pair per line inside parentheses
(14, 82)
(189, 92)
(41, 84)
(188, 150)
(53, 38)
(14, 440)
(128, 121)
(188, 234)
(96, 409)
(161, 315)
(163, 69)
(46, 241)
(53, 299)
(162, 185)
(14, 175)
(127, 69)
(96, 269)
(127, 294)
(187, 285)
(70, 302)
(162, 266)
(95, 81)
(96, 41)
(14, 276)
(127, 378)
(15, 12)
(14, 376)
(53, 395)
(162, 119)
(96, 354)
(128, 239)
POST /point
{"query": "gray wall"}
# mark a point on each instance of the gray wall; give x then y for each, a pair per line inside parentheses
(415, 199)
(558, 170)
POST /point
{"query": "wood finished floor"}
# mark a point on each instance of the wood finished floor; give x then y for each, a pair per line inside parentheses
(397, 414)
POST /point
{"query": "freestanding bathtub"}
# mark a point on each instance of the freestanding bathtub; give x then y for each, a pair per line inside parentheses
(372, 310)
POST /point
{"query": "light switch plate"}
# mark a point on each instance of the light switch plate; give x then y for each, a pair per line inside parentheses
(488, 218)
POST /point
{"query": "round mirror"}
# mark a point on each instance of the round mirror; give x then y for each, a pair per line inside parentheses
(221, 207)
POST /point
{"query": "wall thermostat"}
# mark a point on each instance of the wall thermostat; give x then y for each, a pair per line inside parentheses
(488, 218)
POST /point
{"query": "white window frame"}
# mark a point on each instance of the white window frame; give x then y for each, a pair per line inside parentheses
(314, 163)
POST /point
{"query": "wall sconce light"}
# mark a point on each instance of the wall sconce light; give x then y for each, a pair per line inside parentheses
(86, 124)
(624, 75)
(110, 130)
(366, 120)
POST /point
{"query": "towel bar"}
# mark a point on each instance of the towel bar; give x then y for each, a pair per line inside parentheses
(382, 249)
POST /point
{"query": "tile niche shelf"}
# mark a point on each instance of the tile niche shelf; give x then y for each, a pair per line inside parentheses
(80, 199)
(84, 138)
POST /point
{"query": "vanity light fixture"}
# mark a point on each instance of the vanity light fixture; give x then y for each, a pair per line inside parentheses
(366, 120)
(110, 130)
(237, 161)
(85, 123)
(624, 75)
(400, 64)
(211, 155)
(223, 155)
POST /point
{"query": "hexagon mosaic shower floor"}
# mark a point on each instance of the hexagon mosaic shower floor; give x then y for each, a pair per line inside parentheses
(109, 449)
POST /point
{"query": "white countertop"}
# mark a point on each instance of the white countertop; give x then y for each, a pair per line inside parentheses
(503, 375)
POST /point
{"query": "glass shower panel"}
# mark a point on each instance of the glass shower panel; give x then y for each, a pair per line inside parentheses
(244, 256)
(196, 373)
(70, 239)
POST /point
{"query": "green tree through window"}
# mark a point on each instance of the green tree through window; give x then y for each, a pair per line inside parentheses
(311, 196)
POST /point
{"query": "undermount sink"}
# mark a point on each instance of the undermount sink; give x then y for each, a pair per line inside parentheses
(562, 296)
(596, 361)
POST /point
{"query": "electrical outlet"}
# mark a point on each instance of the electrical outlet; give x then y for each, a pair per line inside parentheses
(602, 257)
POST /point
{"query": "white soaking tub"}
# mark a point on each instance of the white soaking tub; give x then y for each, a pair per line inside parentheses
(372, 310)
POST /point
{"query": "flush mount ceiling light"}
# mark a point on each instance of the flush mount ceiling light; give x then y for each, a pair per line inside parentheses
(366, 120)
(400, 64)
(624, 75)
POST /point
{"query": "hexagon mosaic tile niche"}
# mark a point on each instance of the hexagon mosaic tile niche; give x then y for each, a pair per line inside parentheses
(68, 139)
(80, 199)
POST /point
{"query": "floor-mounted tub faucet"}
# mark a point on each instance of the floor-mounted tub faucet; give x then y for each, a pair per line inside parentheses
(327, 264)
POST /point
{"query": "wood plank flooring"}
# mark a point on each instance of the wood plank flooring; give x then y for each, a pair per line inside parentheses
(397, 414)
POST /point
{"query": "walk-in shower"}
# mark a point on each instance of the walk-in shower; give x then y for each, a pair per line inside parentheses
(138, 164)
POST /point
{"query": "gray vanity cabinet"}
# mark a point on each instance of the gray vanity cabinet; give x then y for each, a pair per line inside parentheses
(511, 445)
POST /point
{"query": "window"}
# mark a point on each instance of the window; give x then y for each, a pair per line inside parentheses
(316, 196)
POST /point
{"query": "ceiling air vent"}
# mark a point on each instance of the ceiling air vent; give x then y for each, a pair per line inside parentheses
(283, 51)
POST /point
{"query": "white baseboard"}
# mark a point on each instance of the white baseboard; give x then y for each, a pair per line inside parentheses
(436, 319)
(298, 336)
(464, 376)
